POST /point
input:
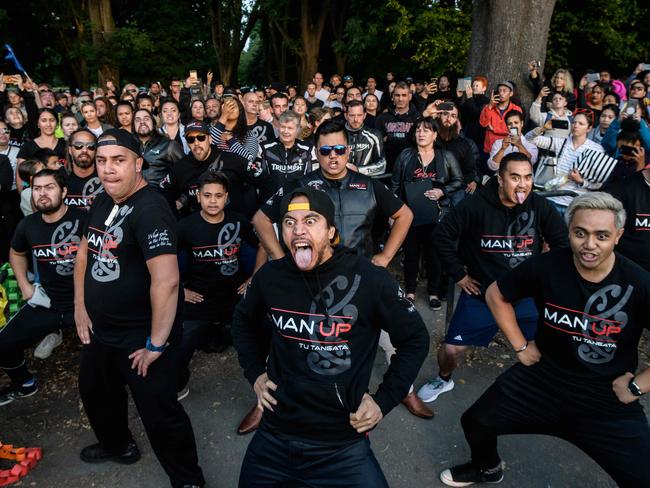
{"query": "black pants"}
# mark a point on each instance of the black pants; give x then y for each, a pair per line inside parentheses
(26, 328)
(419, 243)
(103, 374)
(529, 400)
(272, 462)
(193, 332)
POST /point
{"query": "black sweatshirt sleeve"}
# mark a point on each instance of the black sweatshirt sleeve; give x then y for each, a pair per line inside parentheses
(446, 238)
(251, 340)
(409, 335)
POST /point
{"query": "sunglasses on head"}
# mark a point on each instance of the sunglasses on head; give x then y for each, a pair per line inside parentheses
(191, 139)
(80, 145)
(338, 149)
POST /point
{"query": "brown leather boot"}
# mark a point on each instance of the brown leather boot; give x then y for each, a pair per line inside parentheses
(252, 421)
(417, 407)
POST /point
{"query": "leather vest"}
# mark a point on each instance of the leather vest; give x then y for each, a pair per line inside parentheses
(355, 207)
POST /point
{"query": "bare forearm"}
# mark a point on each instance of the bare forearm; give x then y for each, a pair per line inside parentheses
(19, 264)
(80, 273)
(266, 233)
(398, 232)
(504, 315)
(164, 300)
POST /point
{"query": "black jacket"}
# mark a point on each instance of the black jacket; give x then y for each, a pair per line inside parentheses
(366, 150)
(316, 333)
(470, 113)
(489, 239)
(466, 154)
(445, 168)
(162, 154)
(288, 164)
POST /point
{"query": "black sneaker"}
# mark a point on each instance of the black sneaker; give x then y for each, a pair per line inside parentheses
(435, 304)
(97, 454)
(13, 392)
(468, 474)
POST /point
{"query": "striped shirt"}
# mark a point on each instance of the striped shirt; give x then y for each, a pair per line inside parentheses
(567, 160)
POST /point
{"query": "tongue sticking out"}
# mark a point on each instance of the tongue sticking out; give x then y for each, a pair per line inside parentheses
(303, 257)
(521, 196)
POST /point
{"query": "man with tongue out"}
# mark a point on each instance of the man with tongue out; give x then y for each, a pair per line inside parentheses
(306, 333)
(486, 235)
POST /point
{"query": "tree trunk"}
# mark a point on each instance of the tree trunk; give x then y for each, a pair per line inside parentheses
(311, 34)
(229, 34)
(102, 26)
(505, 36)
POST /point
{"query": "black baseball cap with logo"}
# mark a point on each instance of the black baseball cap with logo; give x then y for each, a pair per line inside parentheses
(317, 201)
(197, 126)
(123, 138)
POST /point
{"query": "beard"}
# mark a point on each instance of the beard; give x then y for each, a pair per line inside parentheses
(145, 132)
(84, 163)
(448, 133)
(49, 208)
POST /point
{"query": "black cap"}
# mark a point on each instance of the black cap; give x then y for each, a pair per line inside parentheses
(197, 126)
(319, 202)
(121, 137)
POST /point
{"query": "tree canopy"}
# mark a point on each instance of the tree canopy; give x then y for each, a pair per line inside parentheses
(254, 41)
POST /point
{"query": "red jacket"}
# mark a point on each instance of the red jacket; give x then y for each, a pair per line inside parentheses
(491, 116)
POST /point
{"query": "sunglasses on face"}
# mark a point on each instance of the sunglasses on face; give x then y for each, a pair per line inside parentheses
(4, 131)
(191, 139)
(338, 149)
(45, 90)
(80, 145)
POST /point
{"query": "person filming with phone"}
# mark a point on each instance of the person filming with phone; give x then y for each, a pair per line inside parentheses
(493, 114)
(513, 142)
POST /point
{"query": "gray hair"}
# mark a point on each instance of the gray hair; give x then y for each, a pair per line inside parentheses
(289, 116)
(597, 200)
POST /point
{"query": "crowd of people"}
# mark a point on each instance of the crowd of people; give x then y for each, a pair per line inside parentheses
(157, 220)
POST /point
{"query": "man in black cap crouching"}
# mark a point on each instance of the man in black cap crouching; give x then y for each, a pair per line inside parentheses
(316, 314)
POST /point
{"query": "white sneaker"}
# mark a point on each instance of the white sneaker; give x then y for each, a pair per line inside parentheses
(432, 390)
(47, 345)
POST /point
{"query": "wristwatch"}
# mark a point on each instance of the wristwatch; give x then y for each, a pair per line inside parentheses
(152, 348)
(634, 388)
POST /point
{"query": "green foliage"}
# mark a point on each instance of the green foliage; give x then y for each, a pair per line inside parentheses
(598, 33)
(420, 36)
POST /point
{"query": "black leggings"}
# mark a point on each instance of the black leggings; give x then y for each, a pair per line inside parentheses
(419, 242)
(529, 400)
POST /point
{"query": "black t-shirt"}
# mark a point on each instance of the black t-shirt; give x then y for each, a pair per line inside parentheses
(30, 148)
(262, 131)
(82, 191)
(634, 193)
(54, 249)
(214, 266)
(117, 282)
(588, 332)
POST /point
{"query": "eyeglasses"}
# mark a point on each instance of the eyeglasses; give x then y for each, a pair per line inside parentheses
(80, 145)
(338, 149)
(191, 139)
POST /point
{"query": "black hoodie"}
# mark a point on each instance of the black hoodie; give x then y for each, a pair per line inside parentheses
(488, 238)
(320, 331)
